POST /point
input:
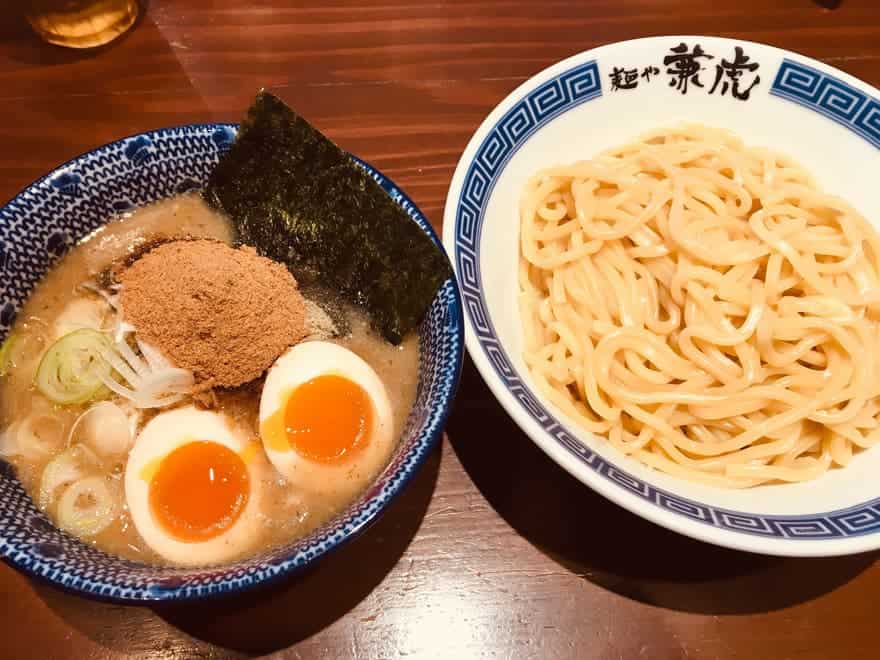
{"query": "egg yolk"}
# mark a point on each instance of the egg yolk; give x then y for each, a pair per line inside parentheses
(324, 419)
(199, 490)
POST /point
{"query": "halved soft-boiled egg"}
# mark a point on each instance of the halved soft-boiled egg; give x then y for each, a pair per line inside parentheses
(192, 483)
(325, 419)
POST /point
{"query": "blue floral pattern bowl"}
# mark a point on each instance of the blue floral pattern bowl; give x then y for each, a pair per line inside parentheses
(49, 216)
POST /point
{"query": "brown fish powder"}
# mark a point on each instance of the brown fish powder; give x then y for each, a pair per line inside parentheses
(223, 313)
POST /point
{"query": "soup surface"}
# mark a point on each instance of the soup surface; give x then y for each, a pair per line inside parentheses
(67, 300)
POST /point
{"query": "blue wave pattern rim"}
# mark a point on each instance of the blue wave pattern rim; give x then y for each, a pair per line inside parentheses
(50, 215)
(796, 82)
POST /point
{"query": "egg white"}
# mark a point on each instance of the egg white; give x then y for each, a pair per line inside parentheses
(162, 435)
(300, 364)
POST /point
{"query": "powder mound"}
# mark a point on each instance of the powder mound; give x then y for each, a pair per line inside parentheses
(223, 313)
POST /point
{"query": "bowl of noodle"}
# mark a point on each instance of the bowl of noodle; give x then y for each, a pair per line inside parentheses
(669, 254)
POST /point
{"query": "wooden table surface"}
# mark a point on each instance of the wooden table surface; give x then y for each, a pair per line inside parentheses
(492, 551)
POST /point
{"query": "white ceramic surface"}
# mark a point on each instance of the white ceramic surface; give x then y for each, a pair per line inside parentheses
(822, 117)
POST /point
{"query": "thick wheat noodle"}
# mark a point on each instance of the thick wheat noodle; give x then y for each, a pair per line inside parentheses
(704, 307)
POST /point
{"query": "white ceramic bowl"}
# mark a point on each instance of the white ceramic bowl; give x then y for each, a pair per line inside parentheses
(822, 117)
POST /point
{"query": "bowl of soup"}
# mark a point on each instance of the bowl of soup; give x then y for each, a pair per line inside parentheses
(181, 415)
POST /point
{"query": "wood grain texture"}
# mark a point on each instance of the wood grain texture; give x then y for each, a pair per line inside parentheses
(492, 551)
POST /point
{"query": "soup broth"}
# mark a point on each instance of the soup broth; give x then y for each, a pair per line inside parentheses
(65, 297)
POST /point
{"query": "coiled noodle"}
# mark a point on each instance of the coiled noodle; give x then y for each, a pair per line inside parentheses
(704, 307)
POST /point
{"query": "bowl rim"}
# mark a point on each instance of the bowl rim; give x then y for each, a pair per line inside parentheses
(431, 431)
(581, 462)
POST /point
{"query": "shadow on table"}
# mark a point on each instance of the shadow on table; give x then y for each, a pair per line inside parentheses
(268, 619)
(611, 547)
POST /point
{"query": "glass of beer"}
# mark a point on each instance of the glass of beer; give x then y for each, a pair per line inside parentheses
(80, 23)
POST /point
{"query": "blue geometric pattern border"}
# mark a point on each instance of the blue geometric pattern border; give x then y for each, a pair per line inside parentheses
(809, 87)
(561, 94)
(829, 96)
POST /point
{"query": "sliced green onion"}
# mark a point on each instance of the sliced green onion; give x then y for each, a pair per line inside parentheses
(70, 465)
(87, 507)
(73, 369)
(39, 435)
(6, 354)
(104, 427)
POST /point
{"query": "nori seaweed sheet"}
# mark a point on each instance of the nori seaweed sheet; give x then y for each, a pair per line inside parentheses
(299, 199)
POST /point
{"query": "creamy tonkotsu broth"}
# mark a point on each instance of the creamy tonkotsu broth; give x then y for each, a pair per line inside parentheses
(74, 296)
